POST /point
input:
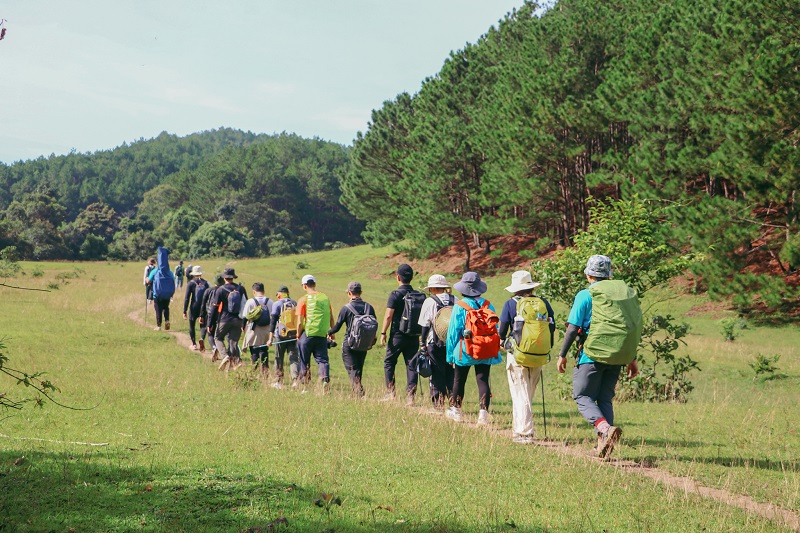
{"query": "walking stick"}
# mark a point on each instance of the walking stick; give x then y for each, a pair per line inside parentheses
(145, 310)
(544, 413)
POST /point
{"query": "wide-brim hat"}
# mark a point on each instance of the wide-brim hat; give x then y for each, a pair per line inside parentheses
(229, 273)
(196, 271)
(471, 284)
(521, 281)
(437, 281)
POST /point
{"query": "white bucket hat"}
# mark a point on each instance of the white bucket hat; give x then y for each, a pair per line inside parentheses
(196, 271)
(437, 281)
(521, 281)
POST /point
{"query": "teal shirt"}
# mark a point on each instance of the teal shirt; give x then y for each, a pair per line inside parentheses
(456, 350)
(581, 315)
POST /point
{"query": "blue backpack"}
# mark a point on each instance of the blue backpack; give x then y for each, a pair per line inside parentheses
(163, 282)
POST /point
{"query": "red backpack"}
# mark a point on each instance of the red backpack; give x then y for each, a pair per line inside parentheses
(484, 341)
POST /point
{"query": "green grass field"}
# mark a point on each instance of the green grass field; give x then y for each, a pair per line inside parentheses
(189, 449)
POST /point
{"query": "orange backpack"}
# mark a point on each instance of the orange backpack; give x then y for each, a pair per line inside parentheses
(484, 340)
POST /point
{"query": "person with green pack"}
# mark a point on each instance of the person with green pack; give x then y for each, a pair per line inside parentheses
(315, 317)
(527, 327)
(606, 320)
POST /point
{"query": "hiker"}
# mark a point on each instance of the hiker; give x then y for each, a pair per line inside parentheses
(472, 341)
(193, 303)
(360, 335)
(402, 314)
(314, 316)
(283, 333)
(205, 310)
(179, 275)
(436, 347)
(606, 320)
(225, 309)
(162, 280)
(527, 328)
(255, 317)
(148, 287)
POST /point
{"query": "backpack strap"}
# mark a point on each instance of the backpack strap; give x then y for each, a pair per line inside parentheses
(352, 308)
(465, 306)
(439, 303)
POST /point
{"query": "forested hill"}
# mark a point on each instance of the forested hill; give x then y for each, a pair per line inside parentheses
(692, 105)
(221, 192)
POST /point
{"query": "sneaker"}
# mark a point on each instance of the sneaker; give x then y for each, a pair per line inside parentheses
(483, 417)
(202, 345)
(523, 439)
(389, 397)
(157, 328)
(194, 347)
(409, 401)
(606, 441)
(454, 413)
(278, 385)
(166, 326)
(295, 384)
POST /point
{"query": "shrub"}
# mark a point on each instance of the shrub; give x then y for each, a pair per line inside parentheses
(765, 367)
(730, 328)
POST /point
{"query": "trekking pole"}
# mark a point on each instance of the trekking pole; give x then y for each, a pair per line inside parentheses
(145, 310)
(274, 343)
(544, 413)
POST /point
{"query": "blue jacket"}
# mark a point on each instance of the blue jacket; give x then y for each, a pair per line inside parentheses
(456, 350)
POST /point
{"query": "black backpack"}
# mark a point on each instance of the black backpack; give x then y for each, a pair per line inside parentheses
(363, 329)
(412, 306)
(234, 301)
(199, 292)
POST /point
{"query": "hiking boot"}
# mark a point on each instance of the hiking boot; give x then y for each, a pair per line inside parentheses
(606, 441)
(483, 418)
(389, 397)
(409, 401)
(166, 326)
(454, 414)
(202, 345)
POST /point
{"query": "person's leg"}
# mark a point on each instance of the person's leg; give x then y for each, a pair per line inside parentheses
(390, 362)
(159, 311)
(260, 358)
(279, 353)
(439, 386)
(606, 391)
(521, 413)
(294, 359)
(457, 396)
(305, 358)
(223, 328)
(192, 330)
(320, 345)
(234, 334)
(586, 380)
(353, 364)
(484, 390)
(165, 306)
(410, 347)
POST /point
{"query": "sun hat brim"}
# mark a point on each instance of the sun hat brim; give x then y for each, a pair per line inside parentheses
(522, 287)
(474, 288)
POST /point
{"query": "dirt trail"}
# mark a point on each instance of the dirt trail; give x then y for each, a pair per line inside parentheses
(182, 338)
(783, 517)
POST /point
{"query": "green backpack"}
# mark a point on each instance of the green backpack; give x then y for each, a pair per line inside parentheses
(531, 333)
(616, 328)
(318, 317)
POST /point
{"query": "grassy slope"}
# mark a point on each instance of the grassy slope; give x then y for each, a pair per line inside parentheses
(191, 451)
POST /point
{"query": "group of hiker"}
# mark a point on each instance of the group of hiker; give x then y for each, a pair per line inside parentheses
(439, 336)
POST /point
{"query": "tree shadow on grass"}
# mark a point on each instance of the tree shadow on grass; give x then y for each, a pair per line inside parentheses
(729, 462)
(44, 491)
(49, 491)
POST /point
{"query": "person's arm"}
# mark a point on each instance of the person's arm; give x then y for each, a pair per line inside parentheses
(551, 316)
(301, 316)
(189, 296)
(569, 337)
(339, 321)
(387, 322)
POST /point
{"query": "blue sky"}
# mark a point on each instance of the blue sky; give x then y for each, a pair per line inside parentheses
(90, 75)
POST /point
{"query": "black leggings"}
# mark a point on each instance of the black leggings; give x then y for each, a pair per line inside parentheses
(162, 308)
(481, 376)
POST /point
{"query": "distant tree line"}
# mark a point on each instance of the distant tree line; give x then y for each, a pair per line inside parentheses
(218, 193)
(694, 104)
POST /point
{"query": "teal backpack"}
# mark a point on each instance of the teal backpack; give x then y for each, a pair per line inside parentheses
(616, 328)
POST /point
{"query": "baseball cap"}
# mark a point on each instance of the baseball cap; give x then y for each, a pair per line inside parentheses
(405, 271)
(307, 278)
(354, 287)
